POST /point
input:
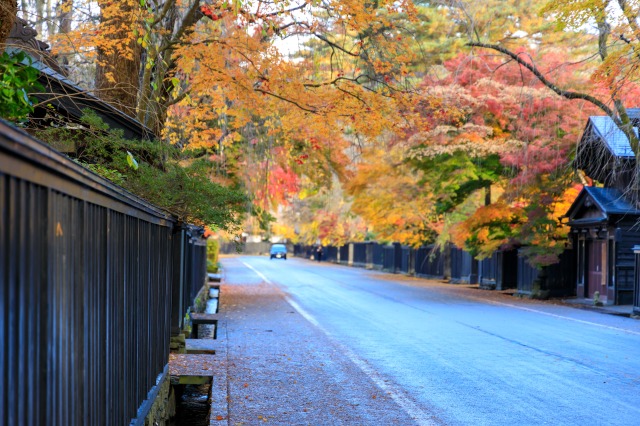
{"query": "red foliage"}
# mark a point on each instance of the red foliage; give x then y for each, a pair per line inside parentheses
(280, 185)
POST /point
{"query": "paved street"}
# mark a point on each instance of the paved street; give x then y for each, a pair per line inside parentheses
(320, 344)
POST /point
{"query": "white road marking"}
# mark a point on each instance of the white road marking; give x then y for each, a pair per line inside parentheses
(258, 273)
(420, 416)
(522, 308)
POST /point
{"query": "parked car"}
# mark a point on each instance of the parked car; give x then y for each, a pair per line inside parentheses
(279, 251)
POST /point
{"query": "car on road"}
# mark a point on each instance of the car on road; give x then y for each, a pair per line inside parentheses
(278, 251)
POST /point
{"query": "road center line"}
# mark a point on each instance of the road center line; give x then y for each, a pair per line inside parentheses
(420, 416)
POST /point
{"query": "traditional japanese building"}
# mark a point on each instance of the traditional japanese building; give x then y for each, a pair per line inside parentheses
(605, 220)
(62, 102)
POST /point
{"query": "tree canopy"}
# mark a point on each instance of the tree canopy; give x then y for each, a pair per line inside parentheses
(409, 121)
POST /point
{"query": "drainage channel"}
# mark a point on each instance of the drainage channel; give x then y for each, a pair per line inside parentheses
(192, 396)
(208, 331)
(192, 405)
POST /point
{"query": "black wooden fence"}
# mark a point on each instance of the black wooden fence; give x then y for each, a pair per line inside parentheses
(359, 258)
(503, 270)
(389, 258)
(189, 271)
(636, 295)
(343, 254)
(464, 268)
(330, 254)
(555, 280)
(87, 274)
(429, 262)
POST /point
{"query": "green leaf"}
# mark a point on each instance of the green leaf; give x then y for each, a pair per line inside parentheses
(25, 97)
(132, 161)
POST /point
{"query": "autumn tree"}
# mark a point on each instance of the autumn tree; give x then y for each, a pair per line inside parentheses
(375, 97)
(119, 54)
(322, 214)
(389, 194)
(609, 28)
(492, 156)
(208, 78)
(8, 11)
(517, 138)
(345, 85)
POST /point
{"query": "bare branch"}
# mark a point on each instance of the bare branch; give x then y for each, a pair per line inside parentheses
(280, 12)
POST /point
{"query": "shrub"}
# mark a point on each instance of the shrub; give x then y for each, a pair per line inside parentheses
(17, 80)
(155, 171)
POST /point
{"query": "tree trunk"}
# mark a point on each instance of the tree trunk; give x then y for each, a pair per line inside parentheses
(39, 16)
(8, 12)
(117, 79)
(153, 101)
(65, 18)
(51, 24)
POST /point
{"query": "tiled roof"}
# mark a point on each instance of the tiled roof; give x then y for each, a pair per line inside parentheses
(587, 222)
(611, 200)
(633, 112)
(65, 94)
(616, 141)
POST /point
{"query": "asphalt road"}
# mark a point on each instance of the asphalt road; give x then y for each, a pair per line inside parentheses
(440, 353)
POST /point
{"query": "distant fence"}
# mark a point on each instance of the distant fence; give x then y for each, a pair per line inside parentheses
(343, 254)
(359, 257)
(503, 270)
(330, 254)
(429, 262)
(464, 268)
(88, 276)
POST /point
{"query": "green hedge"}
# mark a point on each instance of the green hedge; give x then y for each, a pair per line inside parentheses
(213, 249)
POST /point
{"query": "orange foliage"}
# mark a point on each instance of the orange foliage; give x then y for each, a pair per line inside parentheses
(391, 199)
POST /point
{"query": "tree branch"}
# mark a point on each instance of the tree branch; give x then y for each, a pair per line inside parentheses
(536, 72)
(335, 80)
(334, 45)
(282, 98)
(165, 9)
(191, 17)
(279, 12)
(177, 99)
(628, 13)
